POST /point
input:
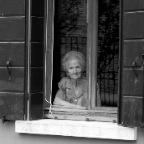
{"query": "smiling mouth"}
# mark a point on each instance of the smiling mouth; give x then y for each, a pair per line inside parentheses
(77, 74)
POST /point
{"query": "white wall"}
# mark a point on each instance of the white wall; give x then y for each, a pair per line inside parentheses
(8, 136)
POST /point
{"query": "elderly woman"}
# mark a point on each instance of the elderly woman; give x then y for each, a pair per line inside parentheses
(73, 89)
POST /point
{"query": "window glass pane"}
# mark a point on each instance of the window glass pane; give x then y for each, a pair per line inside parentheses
(70, 34)
(108, 53)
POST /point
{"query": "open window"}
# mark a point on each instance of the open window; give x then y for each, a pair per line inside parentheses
(104, 29)
(87, 27)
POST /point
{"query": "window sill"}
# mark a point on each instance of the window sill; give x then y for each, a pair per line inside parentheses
(103, 130)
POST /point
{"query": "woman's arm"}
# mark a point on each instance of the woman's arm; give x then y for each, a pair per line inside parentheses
(63, 103)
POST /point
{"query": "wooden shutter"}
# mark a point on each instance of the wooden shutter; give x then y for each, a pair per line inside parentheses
(35, 53)
(132, 74)
(12, 57)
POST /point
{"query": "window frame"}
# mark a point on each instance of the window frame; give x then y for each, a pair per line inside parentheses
(92, 49)
(92, 44)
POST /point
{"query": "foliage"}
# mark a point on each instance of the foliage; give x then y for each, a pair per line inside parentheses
(108, 53)
(69, 15)
(108, 32)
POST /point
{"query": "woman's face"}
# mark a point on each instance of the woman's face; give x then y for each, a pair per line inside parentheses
(74, 68)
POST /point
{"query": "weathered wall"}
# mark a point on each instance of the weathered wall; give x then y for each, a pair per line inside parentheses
(8, 136)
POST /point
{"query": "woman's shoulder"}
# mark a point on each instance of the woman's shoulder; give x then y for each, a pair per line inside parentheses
(64, 81)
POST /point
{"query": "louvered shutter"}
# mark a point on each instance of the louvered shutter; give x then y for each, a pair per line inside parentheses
(12, 59)
(132, 71)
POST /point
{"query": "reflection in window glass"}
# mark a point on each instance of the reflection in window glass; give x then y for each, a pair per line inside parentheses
(108, 53)
(70, 33)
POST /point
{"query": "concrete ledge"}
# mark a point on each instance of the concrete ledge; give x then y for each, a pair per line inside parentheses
(88, 129)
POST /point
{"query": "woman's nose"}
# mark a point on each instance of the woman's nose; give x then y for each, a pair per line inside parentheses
(75, 70)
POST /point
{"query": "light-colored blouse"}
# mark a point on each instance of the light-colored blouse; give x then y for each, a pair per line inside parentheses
(73, 92)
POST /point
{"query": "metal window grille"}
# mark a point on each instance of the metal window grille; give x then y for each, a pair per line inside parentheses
(107, 70)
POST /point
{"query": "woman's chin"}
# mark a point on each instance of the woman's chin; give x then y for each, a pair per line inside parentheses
(75, 77)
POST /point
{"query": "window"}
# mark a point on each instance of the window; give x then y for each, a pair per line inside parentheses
(26, 81)
(75, 28)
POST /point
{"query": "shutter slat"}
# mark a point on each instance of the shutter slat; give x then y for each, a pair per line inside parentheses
(132, 85)
(132, 111)
(12, 7)
(133, 5)
(133, 25)
(11, 106)
(15, 82)
(12, 29)
(13, 52)
(135, 49)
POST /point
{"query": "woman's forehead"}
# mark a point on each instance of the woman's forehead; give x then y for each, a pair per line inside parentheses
(73, 61)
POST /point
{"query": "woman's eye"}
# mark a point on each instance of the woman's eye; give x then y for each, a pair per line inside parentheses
(70, 68)
(78, 67)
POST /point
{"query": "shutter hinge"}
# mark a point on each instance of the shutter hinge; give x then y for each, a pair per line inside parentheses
(4, 119)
